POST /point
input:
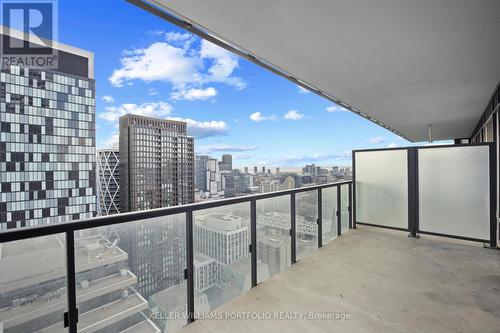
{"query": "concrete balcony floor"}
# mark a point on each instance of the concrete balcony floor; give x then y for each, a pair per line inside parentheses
(386, 281)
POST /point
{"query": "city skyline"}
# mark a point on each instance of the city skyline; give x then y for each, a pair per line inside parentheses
(226, 101)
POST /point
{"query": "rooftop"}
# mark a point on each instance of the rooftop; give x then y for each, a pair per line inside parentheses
(43, 259)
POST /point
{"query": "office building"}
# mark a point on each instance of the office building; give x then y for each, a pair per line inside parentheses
(156, 163)
(108, 181)
(267, 186)
(312, 170)
(229, 184)
(226, 163)
(222, 237)
(200, 172)
(246, 170)
(214, 185)
(274, 250)
(220, 242)
(47, 142)
(255, 170)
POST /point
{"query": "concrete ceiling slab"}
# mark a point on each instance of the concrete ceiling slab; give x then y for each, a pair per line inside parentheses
(404, 63)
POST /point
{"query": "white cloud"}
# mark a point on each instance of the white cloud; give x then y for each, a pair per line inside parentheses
(108, 99)
(158, 62)
(152, 92)
(257, 116)
(392, 145)
(377, 140)
(223, 65)
(335, 108)
(303, 90)
(112, 141)
(153, 109)
(194, 94)
(172, 36)
(344, 156)
(203, 129)
(293, 115)
(224, 148)
(183, 66)
(243, 156)
(156, 32)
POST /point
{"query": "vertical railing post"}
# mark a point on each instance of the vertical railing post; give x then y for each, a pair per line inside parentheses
(493, 193)
(413, 192)
(320, 218)
(339, 218)
(190, 265)
(253, 240)
(293, 229)
(350, 205)
(71, 317)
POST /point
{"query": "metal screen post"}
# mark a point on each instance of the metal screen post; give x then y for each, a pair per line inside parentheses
(339, 218)
(350, 205)
(71, 317)
(293, 229)
(413, 192)
(320, 218)
(190, 265)
(253, 237)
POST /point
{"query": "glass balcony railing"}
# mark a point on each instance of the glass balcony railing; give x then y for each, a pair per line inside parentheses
(160, 269)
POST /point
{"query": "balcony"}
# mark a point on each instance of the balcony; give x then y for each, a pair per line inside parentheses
(371, 254)
(409, 245)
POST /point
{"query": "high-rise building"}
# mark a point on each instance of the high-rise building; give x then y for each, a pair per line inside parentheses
(214, 185)
(200, 172)
(274, 251)
(108, 181)
(269, 186)
(263, 169)
(287, 184)
(277, 171)
(47, 142)
(156, 170)
(226, 163)
(255, 170)
(156, 163)
(222, 237)
(219, 240)
(312, 169)
(157, 252)
(246, 170)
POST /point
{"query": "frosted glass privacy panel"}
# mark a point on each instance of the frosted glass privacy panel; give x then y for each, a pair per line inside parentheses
(382, 188)
(454, 191)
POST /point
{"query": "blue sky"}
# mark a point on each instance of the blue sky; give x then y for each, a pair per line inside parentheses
(148, 66)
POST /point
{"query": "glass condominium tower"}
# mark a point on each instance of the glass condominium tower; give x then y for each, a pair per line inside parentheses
(47, 140)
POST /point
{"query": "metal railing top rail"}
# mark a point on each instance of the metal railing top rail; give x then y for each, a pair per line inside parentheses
(101, 221)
